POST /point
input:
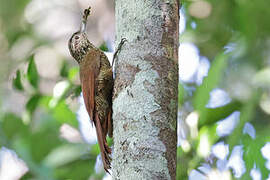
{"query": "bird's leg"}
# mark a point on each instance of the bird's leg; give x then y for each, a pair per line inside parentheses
(123, 40)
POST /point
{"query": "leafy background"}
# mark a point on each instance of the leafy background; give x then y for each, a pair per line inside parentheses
(224, 90)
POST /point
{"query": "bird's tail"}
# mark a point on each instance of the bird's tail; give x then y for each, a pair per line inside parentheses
(105, 150)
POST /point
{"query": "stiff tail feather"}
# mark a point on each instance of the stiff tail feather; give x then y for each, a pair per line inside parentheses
(105, 150)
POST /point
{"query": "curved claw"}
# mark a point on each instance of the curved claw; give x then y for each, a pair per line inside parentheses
(123, 40)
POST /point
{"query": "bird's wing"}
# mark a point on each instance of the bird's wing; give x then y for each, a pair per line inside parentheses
(89, 70)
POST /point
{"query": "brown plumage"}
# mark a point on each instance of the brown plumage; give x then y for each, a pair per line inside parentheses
(97, 84)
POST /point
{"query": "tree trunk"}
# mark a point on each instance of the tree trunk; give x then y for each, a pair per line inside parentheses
(145, 90)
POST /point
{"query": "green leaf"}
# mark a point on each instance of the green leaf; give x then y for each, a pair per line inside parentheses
(181, 93)
(95, 149)
(246, 115)
(45, 140)
(207, 137)
(80, 169)
(32, 103)
(22, 146)
(183, 161)
(32, 73)
(77, 90)
(202, 93)
(213, 115)
(17, 84)
(63, 114)
(13, 126)
(45, 102)
(103, 47)
(64, 69)
(253, 156)
(72, 73)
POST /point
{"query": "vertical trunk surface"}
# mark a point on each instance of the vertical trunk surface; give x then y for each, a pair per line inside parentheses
(145, 91)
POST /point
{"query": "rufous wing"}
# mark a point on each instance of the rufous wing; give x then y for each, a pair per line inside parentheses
(89, 70)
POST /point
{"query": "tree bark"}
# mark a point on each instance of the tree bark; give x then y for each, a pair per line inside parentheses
(145, 90)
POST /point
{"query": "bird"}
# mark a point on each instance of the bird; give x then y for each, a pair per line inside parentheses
(96, 77)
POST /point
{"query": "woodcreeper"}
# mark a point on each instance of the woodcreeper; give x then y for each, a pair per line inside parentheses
(96, 78)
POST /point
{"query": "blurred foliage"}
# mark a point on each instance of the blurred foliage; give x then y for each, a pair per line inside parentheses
(104, 47)
(35, 134)
(37, 139)
(32, 74)
(17, 84)
(234, 37)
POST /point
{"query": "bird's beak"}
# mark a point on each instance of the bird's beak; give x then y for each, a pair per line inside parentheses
(84, 20)
(83, 27)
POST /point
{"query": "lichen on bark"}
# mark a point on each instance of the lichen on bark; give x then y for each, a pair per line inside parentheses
(145, 91)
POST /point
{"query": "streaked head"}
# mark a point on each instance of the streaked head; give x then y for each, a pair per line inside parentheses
(78, 43)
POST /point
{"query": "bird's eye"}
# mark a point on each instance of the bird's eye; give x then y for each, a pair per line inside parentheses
(77, 37)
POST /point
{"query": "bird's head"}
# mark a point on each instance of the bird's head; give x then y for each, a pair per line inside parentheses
(78, 43)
